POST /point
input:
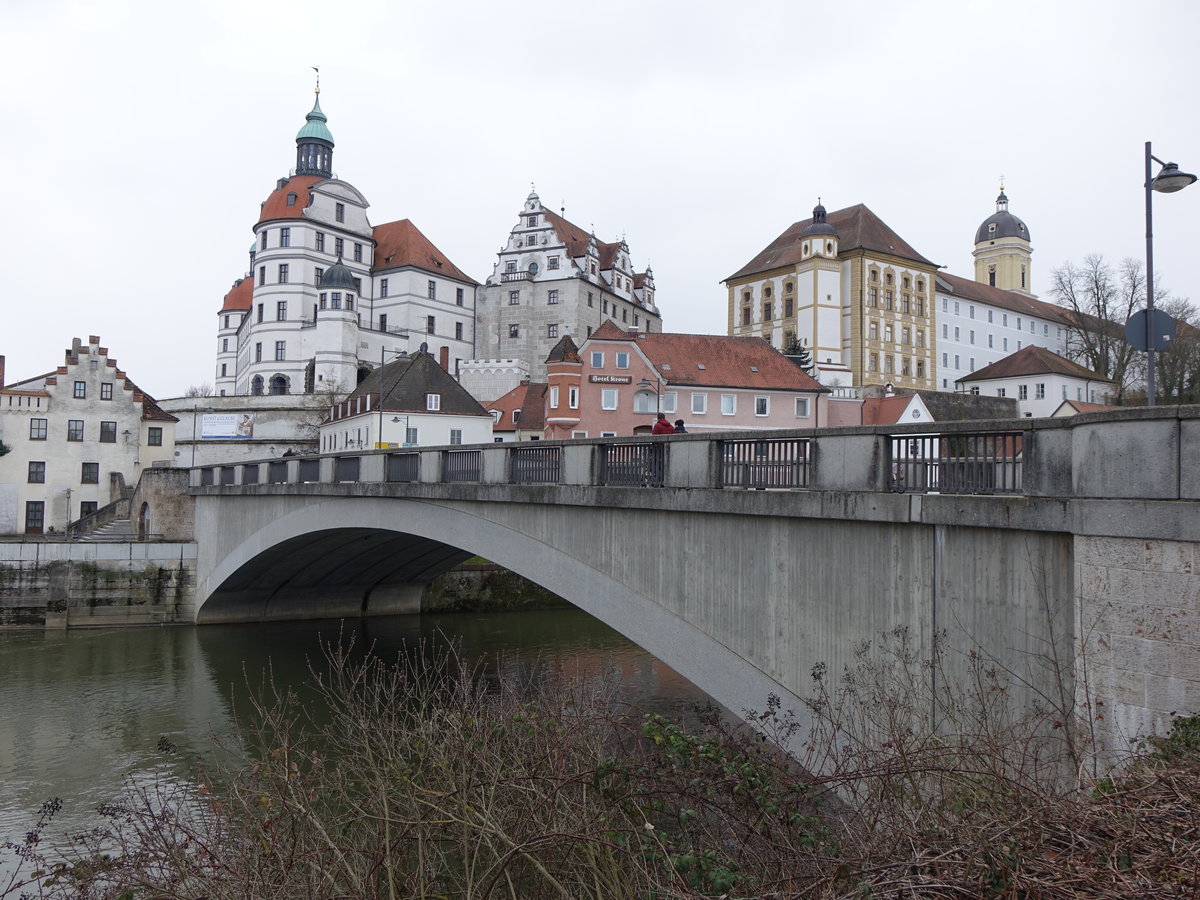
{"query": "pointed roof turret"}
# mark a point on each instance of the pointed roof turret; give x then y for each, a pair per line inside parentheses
(314, 143)
(819, 223)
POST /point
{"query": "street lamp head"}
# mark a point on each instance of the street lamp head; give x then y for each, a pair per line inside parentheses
(1170, 179)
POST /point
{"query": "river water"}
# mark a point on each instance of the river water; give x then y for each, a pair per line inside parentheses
(82, 711)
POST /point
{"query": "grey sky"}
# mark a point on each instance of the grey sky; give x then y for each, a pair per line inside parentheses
(141, 137)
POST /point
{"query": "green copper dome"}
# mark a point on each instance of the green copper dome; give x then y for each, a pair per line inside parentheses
(314, 127)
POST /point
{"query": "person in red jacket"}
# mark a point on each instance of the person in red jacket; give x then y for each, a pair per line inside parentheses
(663, 425)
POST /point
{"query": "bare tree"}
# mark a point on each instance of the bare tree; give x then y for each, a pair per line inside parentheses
(199, 390)
(1099, 301)
(1178, 365)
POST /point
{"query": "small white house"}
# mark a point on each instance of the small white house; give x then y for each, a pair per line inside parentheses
(1039, 379)
(410, 402)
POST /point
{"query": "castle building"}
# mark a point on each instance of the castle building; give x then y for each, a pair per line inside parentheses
(553, 279)
(848, 288)
(329, 295)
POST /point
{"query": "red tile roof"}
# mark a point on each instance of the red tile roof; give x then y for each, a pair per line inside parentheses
(858, 229)
(399, 244)
(1032, 361)
(530, 399)
(577, 239)
(276, 207)
(240, 296)
(884, 410)
(713, 360)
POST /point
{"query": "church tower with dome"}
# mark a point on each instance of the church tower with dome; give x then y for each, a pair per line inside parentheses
(1003, 254)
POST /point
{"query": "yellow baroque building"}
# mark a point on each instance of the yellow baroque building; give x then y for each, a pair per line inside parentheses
(851, 291)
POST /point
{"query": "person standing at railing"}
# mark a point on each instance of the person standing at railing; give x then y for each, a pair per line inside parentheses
(679, 429)
(663, 425)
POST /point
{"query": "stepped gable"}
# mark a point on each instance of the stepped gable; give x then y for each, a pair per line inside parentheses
(276, 205)
(577, 240)
(240, 296)
(401, 243)
(857, 229)
(1033, 360)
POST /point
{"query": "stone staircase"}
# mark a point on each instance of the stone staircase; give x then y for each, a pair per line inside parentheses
(116, 530)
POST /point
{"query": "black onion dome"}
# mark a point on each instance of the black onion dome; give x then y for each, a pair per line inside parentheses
(1007, 225)
(338, 278)
(819, 225)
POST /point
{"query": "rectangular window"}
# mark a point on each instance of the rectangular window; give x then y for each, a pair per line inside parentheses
(956, 333)
(281, 311)
(75, 429)
(622, 360)
(552, 298)
(37, 429)
(339, 212)
(956, 307)
(262, 275)
(597, 359)
(1006, 343)
(80, 390)
(920, 368)
(285, 237)
(224, 349)
(154, 436)
(106, 390)
(458, 331)
(699, 404)
(971, 311)
(514, 298)
(108, 432)
(768, 311)
(37, 473)
(90, 473)
(87, 507)
(920, 337)
(280, 351)
(260, 312)
(1039, 392)
(320, 242)
(1022, 392)
(608, 398)
(458, 297)
(552, 262)
(801, 407)
(554, 397)
(789, 306)
(669, 399)
(514, 330)
(1001, 392)
(873, 363)
(431, 290)
(455, 435)
(972, 335)
(35, 516)
(991, 339)
(383, 287)
(990, 316)
(318, 276)
(573, 397)
(552, 330)
(957, 363)
(728, 404)
(358, 252)
(591, 299)
(383, 322)
(945, 359)
(258, 352)
(265, 238)
(889, 364)
(433, 402)
(431, 325)
(339, 246)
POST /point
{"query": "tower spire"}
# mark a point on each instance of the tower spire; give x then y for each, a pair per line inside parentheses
(314, 143)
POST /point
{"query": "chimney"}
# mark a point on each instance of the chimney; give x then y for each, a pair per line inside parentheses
(444, 358)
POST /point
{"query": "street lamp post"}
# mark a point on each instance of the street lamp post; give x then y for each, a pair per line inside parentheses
(1168, 180)
(382, 356)
(657, 385)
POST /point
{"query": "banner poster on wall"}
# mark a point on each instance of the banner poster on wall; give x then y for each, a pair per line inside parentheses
(227, 425)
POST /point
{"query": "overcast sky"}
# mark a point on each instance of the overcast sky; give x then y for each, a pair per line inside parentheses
(139, 138)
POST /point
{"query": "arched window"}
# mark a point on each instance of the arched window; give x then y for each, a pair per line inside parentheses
(256, 385)
(279, 384)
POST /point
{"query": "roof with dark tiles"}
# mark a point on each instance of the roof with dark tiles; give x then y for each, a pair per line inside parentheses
(407, 380)
(857, 229)
(1032, 360)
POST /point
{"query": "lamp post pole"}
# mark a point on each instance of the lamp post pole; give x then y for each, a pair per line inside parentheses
(657, 384)
(1168, 180)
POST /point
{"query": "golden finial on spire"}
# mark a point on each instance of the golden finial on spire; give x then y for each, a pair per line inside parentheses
(317, 69)
(1002, 182)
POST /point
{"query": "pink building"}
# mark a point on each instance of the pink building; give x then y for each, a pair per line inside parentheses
(618, 380)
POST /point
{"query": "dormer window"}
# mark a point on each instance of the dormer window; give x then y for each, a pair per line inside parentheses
(552, 262)
(291, 199)
(433, 402)
(991, 227)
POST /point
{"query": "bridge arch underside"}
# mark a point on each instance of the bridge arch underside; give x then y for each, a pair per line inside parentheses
(742, 605)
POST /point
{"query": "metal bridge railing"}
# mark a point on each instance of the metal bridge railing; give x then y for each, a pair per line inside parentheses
(964, 463)
(462, 465)
(763, 464)
(403, 467)
(633, 465)
(535, 465)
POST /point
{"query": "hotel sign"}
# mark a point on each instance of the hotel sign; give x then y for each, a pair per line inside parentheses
(610, 379)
